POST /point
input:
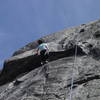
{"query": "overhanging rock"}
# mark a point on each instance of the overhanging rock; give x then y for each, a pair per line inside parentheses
(26, 62)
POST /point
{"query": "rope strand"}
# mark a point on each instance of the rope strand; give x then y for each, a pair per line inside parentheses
(72, 80)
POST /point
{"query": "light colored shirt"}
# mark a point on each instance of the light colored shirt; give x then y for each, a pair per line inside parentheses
(43, 46)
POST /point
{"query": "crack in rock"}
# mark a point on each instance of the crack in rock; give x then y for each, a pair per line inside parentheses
(84, 80)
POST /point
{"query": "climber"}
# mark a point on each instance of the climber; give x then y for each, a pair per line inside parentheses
(43, 51)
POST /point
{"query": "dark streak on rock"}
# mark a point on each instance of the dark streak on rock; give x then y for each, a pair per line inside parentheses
(84, 80)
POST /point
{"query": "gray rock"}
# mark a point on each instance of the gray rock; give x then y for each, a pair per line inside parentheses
(23, 77)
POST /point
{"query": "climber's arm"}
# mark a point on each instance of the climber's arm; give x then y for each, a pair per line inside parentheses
(47, 48)
(37, 51)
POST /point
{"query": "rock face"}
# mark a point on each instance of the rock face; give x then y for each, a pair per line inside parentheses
(74, 54)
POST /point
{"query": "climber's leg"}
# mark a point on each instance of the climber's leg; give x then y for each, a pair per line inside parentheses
(43, 56)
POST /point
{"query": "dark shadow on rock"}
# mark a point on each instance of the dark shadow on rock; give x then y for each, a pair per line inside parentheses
(83, 80)
(14, 68)
(82, 30)
(97, 34)
(95, 52)
(17, 82)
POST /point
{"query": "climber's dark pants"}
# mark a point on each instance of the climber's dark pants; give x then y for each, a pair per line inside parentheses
(44, 55)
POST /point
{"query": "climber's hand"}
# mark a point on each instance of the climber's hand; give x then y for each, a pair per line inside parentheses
(38, 53)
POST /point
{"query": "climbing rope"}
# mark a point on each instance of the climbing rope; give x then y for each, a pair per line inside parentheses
(72, 79)
(45, 81)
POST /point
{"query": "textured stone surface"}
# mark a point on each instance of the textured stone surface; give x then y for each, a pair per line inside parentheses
(52, 81)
